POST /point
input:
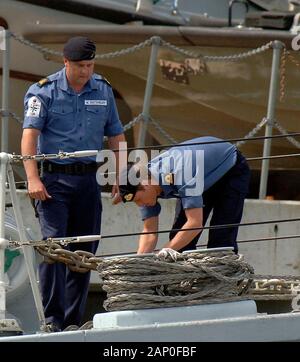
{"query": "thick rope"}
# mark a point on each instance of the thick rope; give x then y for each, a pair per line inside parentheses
(158, 281)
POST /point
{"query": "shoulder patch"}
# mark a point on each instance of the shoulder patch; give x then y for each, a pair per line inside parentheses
(42, 82)
(34, 107)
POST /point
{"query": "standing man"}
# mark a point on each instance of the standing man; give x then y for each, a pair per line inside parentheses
(204, 174)
(71, 110)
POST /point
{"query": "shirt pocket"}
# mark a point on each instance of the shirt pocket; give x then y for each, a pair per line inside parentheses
(95, 112)
(63, 117)
(96, 118)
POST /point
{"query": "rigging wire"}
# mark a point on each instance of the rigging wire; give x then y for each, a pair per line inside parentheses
(230, 140)
(200, 245)
(225, 226)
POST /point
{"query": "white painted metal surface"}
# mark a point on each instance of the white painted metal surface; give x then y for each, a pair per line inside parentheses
(157, 316)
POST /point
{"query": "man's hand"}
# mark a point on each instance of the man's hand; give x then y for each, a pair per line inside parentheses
(168, 253)
(114, 144)
(37, 190)
(115, 194)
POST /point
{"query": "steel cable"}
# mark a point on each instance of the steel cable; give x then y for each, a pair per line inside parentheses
(203, 228)
(257, 138)
(200, 245)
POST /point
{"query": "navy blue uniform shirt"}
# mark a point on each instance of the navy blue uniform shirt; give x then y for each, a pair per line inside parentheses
(71, 121)
(185, 172)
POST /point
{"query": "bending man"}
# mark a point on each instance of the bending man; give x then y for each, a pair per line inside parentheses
(205, 174)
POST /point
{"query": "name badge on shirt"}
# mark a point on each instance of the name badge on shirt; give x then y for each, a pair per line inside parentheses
(95, 102)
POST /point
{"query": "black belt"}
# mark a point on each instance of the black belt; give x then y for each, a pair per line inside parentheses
(76, 168)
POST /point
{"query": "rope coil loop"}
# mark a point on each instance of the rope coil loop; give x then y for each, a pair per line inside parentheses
(157, 281)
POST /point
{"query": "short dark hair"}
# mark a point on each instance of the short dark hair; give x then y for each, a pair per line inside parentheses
(126, 189)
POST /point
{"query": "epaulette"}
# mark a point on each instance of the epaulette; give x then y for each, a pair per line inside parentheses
(169, 178)
(42, 82)
(105, 80)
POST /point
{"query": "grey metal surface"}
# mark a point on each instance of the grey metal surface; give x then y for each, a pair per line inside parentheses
(157, 316)
(261, 328)
(182, 36)
(167, 10)
(278, 5)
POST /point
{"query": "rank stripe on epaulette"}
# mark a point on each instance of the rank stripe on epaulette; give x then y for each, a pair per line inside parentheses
(169, 178)
(43, 81)
(105, 80)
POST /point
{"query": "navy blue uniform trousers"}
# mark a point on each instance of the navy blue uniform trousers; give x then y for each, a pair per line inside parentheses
(226, 200)
(74, 209)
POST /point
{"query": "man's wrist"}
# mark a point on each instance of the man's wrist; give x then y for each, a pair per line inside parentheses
(33, 178)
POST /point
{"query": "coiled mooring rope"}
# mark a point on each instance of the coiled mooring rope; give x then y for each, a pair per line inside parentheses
(157, 281)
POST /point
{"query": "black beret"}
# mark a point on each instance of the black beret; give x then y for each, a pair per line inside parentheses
(79, 48)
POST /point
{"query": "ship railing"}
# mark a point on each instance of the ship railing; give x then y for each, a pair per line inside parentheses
(53, 248)
(145, 118)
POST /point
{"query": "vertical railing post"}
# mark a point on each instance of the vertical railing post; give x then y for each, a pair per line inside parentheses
(26, 251)
(8, 325)
(273, 93)
(3, 241)
(148, 91)
(5, 90)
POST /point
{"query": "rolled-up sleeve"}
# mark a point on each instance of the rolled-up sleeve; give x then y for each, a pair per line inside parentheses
(192, 202)
(150, 211)
(113, 126)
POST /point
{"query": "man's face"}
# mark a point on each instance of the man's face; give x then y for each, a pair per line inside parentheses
(78, 73)
(146, 196)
